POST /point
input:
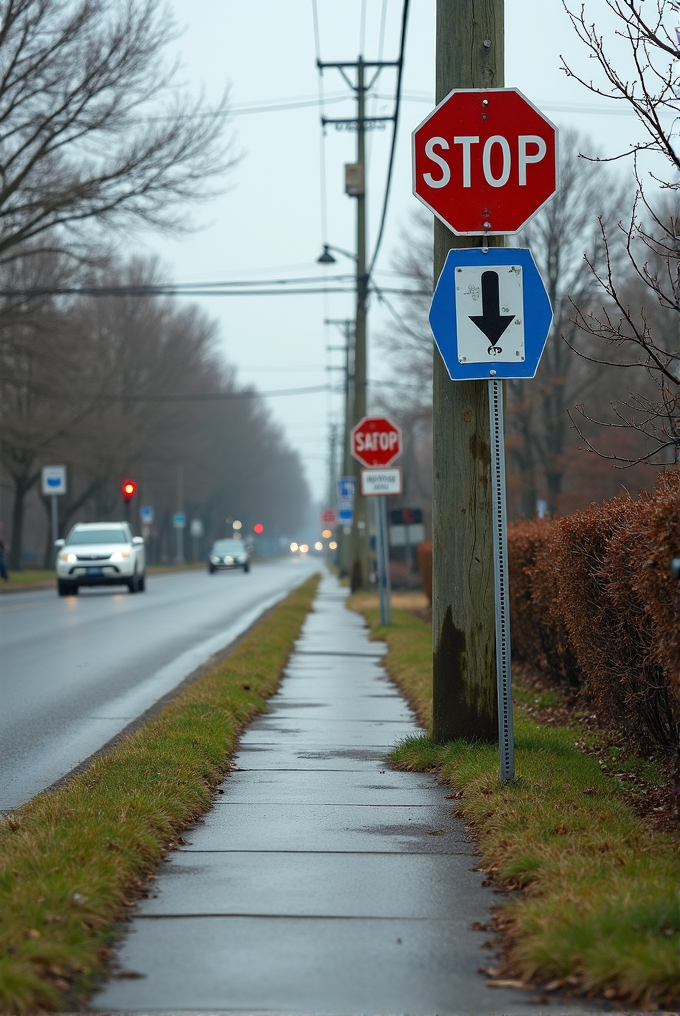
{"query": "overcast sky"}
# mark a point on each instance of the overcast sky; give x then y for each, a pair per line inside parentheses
(272, 220)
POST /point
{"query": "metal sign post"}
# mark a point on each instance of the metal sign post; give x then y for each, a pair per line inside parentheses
(53, 485)
(384, 559)
(179, 522)
(380, 483)
(490, 318)
(506, 739)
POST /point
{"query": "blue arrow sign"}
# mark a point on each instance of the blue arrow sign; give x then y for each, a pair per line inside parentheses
(490, 313)
(346, 485)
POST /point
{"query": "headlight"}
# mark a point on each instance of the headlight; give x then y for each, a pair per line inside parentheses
(214, 559)
(242, 559)
(68, 557)
(228, 560)
(118, 555)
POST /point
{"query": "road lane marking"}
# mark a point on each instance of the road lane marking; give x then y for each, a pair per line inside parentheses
(22, 606)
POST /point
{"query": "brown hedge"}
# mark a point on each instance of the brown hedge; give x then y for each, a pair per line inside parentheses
(594, 607)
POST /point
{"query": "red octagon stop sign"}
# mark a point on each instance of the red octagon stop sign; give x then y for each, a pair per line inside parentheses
(484, 161)
(376, 441)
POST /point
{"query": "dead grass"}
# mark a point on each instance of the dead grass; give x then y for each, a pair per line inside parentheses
(599, 910)
(73, 861)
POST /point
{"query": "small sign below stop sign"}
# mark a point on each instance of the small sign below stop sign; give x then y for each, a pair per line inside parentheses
(376, 441)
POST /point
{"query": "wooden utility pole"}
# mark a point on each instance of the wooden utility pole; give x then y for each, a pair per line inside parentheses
(358, 563)
(347, 327)
(358, 547)
(470, 43)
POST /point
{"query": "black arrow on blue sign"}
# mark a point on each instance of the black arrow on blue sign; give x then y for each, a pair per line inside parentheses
(491, 322)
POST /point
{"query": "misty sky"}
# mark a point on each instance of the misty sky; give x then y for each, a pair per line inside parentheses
(271, 221)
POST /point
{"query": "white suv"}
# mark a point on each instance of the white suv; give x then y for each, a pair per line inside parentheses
(100, 554)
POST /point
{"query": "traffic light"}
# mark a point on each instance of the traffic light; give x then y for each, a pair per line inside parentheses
(129, 489)
(259, 528)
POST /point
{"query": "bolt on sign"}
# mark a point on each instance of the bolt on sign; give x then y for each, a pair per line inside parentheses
(485, 161)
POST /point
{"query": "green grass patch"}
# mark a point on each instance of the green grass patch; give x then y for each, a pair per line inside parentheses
(73, 861)
(28, 576)
(600, 907)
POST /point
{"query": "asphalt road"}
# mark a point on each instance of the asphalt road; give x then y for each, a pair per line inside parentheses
(74, 672)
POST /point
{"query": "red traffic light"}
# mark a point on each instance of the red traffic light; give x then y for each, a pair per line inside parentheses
(259, 528)
(129, 487)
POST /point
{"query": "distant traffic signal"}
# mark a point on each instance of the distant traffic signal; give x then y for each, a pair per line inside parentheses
(129, 488)
(259, 528)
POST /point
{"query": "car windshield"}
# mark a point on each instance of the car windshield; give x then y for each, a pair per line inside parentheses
(228, 547)
(80, 536)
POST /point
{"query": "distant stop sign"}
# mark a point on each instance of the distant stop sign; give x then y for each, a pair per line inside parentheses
(485, 161)
(376, 441)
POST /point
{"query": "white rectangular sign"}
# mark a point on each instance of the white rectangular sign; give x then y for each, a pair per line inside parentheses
(407, 536)
(490, 314)
(380, 481)
(53, 480)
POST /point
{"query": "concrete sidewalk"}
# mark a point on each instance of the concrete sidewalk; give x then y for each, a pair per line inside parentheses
(322, 881)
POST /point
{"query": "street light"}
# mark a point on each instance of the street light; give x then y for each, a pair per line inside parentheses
(327, 258)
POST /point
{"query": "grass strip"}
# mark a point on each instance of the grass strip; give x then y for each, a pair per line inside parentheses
(600, 907)
(73, 861)
(28, 576)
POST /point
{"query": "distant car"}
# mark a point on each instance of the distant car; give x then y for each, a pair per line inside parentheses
(228, 554)
(100, 554)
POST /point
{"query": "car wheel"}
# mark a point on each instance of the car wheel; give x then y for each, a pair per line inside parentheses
(133, 583)
(65, 588)
(211, 569)
(142, 582)
(246, 567)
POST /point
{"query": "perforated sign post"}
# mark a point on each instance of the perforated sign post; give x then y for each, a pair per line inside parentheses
(485, 161)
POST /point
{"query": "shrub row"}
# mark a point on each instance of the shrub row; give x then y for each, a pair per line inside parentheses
(594, 607)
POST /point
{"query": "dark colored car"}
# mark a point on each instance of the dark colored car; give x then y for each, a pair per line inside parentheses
(227, 554)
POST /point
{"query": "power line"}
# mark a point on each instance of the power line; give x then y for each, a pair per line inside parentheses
(220, 396)
(381, 36)
(196, 289)
(250, 393)
(380, 293)
(397, 105)
(283, 105)
(322, 140)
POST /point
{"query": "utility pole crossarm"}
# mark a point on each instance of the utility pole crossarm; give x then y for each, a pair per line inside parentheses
(356, 63)
(353, 119)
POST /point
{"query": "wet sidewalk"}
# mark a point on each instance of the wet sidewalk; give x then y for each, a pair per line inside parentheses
(321, 881)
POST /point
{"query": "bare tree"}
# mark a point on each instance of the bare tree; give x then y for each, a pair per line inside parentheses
(638, 318)
(40, 363)
(565, 238)
(94, 129)
(407, 342)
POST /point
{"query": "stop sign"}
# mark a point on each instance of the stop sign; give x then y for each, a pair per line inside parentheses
(376, 441)
(485, 161)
